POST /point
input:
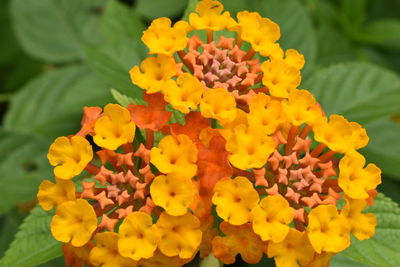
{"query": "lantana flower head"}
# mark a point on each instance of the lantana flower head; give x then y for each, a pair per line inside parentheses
(255, 168)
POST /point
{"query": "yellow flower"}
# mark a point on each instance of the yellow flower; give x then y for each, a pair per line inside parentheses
(261, 33)
(180, 235)
(234, 199)
(327, 230)
(229, 127)
(339, 134)
(53, 194)
(294, 251)
(238, 240)
(184, 94)
(160, 259)
(271, 218)
(362, 225)
(106, 254)
(138, 236)
(301, 107)
(265, 112)
(175, 154)
(218, 104)
(74, 222)
(209, 16)
(281, 76)
(161, 38)
(249, 147)
(354, 179)
(173, 192)
(70, 156)
(154, 73)
(114, 128)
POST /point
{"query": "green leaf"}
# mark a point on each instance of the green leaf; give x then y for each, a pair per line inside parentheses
(23, 166)
(112, 62)
(383, 248)
(383, 32)
(352, 15)
(57, 30)
(359, 91)
(9, 223)
(191, 6)
(51, 105)
(341, 261)
(33, 244)
(160, 8)
(121, 21)
(333, 46)
(384, 146)
(121, 99)
(210, 261)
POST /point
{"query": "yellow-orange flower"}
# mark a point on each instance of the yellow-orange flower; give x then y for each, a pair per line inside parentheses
(218, 104)
(249, 147)
(161, 38)
(327, 230)
(234, 199)
(180, 235)
(339, 134)
(154, 72)
(355, 180)
(301, 107)
(362, 225)
(160, 259)
(238, 240)
(294, 251)
(53, 194)
(184, 94)
(281, 76)
(114, 128)
(175, 154)
(265, 113)
(173, 192)
(70, 156)
(209, 16)
(106, 254)
(74, 222)
(271, 218)
(261, 33)
(138, 236)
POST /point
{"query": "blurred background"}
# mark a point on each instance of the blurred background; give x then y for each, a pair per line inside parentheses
(57, 56)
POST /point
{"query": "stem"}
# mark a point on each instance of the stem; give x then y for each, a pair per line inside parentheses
(291, 139)
(305, 132)
(149, 139)
(210, 36)
(128, 148)
(318, 150)
(250, 54)
(93, 169)
(182, 55)
(327, 156)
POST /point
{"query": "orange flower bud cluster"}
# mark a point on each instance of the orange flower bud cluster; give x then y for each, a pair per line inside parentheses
(256, 168)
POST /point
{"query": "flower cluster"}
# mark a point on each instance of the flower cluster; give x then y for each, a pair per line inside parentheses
(256, 168)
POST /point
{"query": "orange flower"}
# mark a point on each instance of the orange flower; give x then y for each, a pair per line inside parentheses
(153, 116)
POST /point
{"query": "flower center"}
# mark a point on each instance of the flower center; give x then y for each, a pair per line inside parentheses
(222, 65)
